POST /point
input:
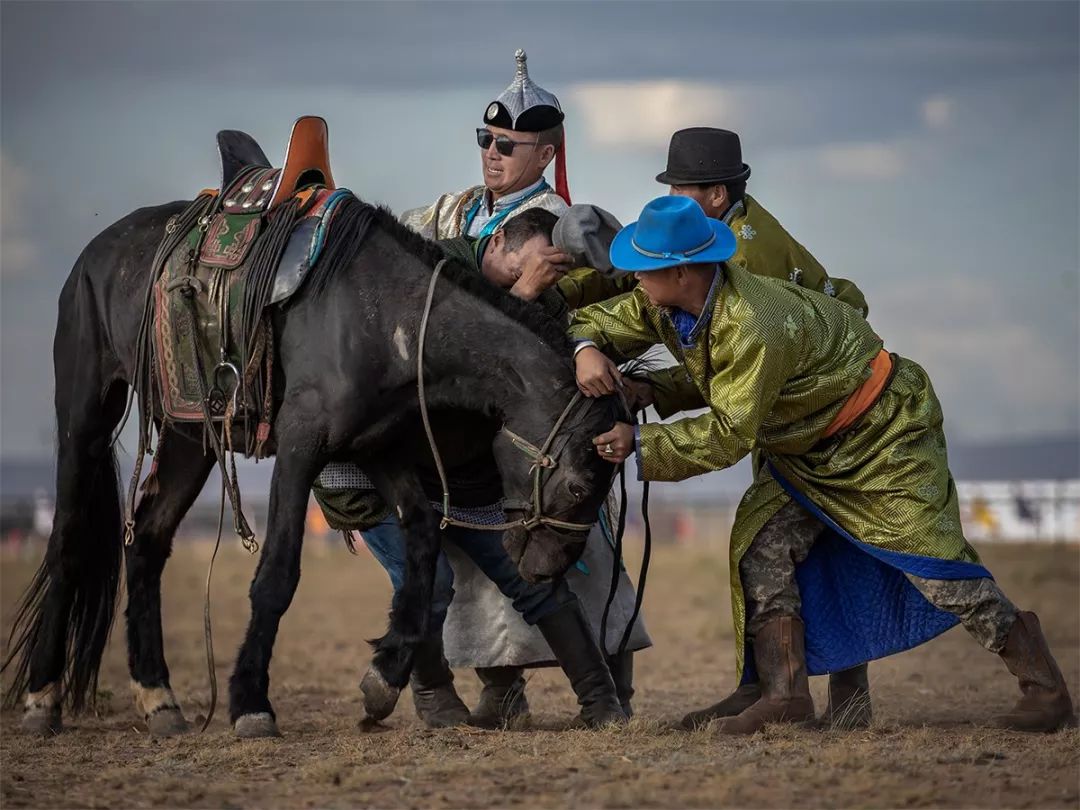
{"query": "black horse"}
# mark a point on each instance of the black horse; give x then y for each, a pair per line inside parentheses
(346, 389)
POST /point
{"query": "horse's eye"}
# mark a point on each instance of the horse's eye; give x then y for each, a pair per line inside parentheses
(578, 491)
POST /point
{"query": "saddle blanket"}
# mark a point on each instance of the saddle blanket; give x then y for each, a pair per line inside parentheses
(200, 348)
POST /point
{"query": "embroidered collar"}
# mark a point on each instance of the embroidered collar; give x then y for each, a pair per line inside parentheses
(491, 215)
(509, 200)
(689, 328)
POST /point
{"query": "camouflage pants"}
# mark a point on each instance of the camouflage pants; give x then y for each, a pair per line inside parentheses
(768, 577)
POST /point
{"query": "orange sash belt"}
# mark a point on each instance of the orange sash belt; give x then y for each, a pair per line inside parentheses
(863, 398)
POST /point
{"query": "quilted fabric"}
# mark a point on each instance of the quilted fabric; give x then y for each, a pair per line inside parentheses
(346, 477)
(858, 604)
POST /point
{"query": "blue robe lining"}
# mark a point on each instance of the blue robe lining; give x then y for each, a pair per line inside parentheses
(857, 603)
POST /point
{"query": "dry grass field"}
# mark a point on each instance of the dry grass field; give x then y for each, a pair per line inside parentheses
(929, 745)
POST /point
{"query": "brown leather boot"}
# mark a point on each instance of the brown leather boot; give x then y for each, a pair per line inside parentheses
(736, 703)
(849, 699)
(780, 655)
(1045, 704)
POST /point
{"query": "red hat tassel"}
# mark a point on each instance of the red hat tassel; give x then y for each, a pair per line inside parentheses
(562, 188)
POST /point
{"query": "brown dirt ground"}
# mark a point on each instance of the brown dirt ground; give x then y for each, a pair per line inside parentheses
(930, 744)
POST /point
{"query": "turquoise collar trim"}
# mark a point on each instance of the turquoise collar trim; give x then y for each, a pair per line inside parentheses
(497, 219)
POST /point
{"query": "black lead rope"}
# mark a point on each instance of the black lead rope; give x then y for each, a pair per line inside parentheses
(617, 564)
(616, 567)
(646, 556)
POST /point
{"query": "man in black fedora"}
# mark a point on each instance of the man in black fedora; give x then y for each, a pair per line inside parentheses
(706, 165)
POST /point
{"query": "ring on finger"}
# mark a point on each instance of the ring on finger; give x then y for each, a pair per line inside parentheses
(608, 450)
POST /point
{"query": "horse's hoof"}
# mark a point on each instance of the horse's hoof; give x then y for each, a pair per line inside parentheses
(255, 726)
(168, 722)
(44, 721)
(380, 698)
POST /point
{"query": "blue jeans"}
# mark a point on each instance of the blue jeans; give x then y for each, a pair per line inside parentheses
(533, 602)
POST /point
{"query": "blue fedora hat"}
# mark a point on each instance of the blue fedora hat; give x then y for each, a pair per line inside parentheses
(671, 231)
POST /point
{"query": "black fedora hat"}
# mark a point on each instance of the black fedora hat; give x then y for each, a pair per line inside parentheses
(704, 155)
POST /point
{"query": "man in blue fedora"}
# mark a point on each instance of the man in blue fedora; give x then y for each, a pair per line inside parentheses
(706, 164)
(848, 545)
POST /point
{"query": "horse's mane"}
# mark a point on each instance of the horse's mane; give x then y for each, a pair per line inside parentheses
(353, 222)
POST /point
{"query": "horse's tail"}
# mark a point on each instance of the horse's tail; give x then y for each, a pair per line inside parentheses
(67, 612)
(77, 585)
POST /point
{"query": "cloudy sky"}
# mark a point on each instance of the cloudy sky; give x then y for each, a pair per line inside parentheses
(928, 151)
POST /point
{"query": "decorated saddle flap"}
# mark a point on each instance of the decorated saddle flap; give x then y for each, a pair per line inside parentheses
(206, 316)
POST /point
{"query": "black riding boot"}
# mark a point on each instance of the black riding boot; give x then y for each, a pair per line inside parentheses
(502, 699)
(568, 634)
(849, 699)
(437, 702)
(622, 673)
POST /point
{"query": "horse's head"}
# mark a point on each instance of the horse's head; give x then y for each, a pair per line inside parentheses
(556, 490)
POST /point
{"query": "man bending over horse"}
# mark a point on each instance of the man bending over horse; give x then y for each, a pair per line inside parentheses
(855, 497)
(706, 164)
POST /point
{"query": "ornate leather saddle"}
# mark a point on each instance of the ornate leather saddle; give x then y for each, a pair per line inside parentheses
(235, 251)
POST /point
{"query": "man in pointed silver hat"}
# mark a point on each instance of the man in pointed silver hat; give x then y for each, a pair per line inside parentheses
(521, 136)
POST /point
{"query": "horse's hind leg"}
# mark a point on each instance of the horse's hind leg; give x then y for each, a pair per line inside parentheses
(70, 603)
(180, 471)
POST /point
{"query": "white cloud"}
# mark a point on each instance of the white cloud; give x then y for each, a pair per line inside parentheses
(937, 112)
(993, 372)
(644, 114)
(17, 250)
(864, 161)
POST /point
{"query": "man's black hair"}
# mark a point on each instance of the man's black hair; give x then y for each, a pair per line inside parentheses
(520, 229)
(553, 136)
(735, 191)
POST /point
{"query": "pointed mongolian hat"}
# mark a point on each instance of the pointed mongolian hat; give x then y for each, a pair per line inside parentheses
(525, 106)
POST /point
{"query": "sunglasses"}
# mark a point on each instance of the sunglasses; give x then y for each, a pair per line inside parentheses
(503, 145)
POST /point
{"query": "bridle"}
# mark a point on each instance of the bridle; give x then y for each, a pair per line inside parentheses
(541, 457)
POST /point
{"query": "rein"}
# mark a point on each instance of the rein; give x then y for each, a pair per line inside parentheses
(540, 456)
(616, 563)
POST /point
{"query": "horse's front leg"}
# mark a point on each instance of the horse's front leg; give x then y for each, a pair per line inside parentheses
(276, 577)
(410, 612)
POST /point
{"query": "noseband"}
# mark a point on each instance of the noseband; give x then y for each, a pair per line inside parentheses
(541, 457)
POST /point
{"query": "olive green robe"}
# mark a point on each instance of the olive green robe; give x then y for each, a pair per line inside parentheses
(765, 248)
(774, 363)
